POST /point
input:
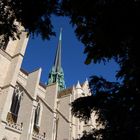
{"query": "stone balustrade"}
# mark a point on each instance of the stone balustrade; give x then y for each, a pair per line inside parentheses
(38, 136)
(15, 126)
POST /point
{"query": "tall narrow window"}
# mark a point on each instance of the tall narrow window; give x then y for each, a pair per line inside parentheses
(15, 105)
(37, 119)
(37, 115)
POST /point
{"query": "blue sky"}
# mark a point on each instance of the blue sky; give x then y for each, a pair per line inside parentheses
(41, 53)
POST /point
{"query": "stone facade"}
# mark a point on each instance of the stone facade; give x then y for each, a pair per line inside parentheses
(30, 110)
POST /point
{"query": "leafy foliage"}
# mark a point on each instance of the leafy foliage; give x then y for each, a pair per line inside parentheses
(117, 109)
(7, 26)
(33, 15)
(110, 29)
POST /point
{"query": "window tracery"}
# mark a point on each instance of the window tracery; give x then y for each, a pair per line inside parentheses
(15, 104)
(16, 99)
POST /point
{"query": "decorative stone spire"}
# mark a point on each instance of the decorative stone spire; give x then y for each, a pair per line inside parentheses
(57, 75)
(78, 86)
(79, 89)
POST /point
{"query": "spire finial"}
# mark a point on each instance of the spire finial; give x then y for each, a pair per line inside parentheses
(78, 86)
(60, 36)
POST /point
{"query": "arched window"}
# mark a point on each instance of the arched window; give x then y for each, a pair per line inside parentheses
(37, 115)
(16, 99)
(37, 119)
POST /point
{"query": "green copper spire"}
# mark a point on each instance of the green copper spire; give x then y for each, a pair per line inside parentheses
(56, 74)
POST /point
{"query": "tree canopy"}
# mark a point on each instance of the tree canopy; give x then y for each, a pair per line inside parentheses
(108, 29)
(33, 15)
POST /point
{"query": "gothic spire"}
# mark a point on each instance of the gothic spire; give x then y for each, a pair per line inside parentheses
(56, 75)
(57, 61)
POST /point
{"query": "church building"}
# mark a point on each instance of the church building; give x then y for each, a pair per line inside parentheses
(30, 110)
